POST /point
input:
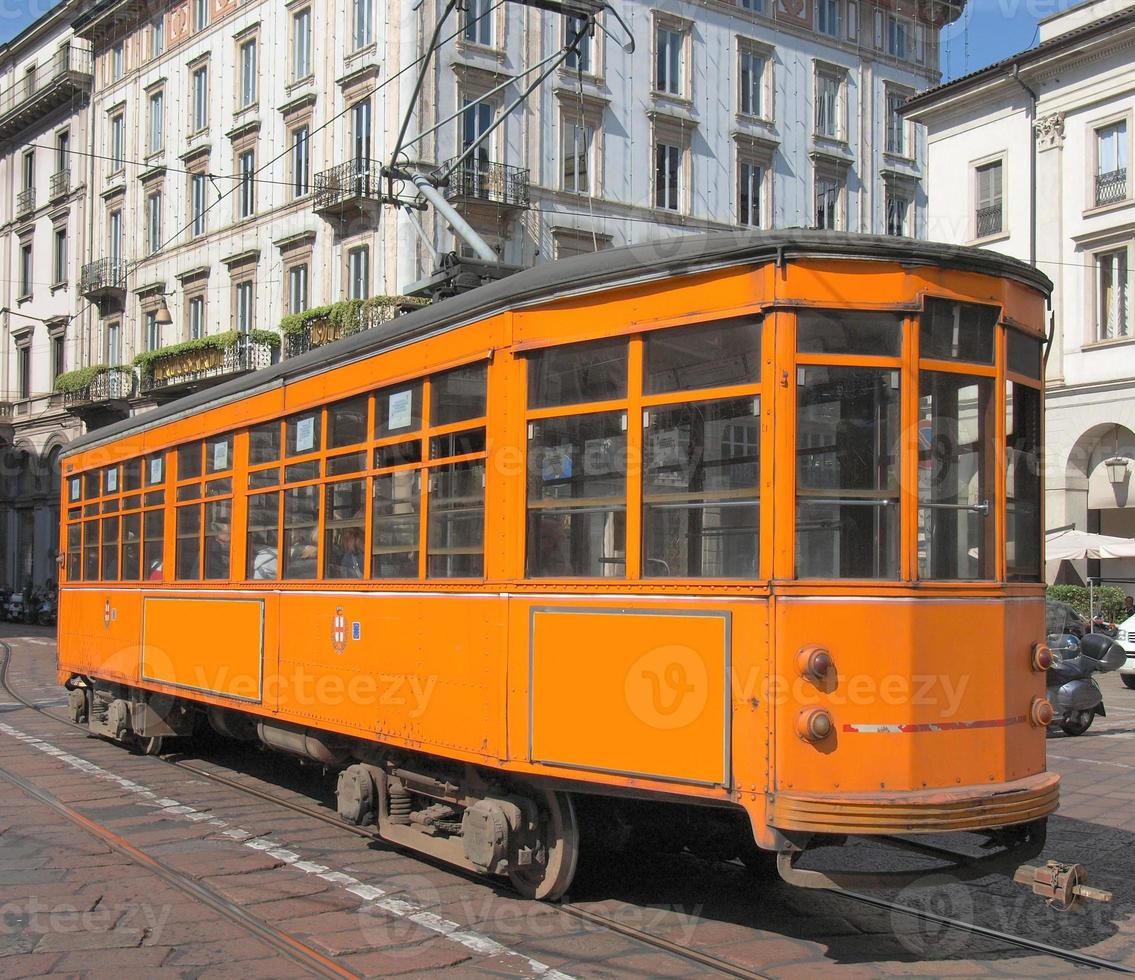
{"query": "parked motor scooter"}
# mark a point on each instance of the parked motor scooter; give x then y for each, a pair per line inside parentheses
(14, 608)
(45, 611)
(1075, 696)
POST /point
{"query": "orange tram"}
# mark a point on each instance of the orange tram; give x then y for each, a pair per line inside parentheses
(731, 542)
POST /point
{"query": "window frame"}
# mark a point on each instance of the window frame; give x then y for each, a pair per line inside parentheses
(976, 167)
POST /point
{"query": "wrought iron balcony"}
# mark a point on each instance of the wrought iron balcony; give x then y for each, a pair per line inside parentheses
(61, 183)
(109, 384)
(103, 277)
(32, 97)
(172, 376)
(1111, 188)
(989, 221)
(318, 328)
(493, 183)
(357, 183)
(25, 201)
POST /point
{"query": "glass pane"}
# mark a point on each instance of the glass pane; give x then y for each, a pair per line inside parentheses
(152, 558)
(345, 532)
(713, 355)
(91, 551)
(300, 472)
(188, 559)
(350, 463)
(132, 547)
(218, 538)
(458, 395)
(578, 373)
(304, 434)
(700, 496)
(457, 521)
(1022, 483)
(110, 549)
(264, 478)
(347, 422)
(110, 506)
(76, 488)
(457, 444)
(847, 472)
(219, 488)
(398, 455)
(191, 491)
(301, 533)
(110, 480)
(577, 496)
(264, 444)
(74, 552)
(133, 502)
(155, 498)
(958, 331)
(91, 485)
(955, 476)
(1024, 354)
(398, 411)
(847, 332)
(188, 461)
(397, 525)
(219, 454)
(263, 535)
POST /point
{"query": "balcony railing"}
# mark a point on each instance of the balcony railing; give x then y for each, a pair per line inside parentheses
(60, 183)
(103, 276)
(25, 201)
(494, 183)
(1111, 188)
(188, 369)
(320, 327)
(50, 86)
(110, 384)
(350, 183)
(989, 221)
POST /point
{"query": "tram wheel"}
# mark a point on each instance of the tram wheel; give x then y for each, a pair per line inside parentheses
(1078, 723)
(549, 879)
(152, 745)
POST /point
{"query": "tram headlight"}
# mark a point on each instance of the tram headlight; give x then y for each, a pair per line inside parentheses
(1041, 713)
(1043, 657)
(814, 662)
(814, 724)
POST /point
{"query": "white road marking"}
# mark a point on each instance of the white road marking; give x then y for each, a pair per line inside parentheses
(474, 941)
(1091, 762)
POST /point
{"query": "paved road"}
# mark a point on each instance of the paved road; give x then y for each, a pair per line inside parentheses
(74, 903)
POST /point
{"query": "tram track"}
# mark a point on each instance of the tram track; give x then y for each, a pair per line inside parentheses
(718, 964)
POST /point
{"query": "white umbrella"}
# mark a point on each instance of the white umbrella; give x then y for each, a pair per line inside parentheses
(1072, 545)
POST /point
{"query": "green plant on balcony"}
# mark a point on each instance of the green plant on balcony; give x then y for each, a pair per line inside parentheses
(71, 382)
(348, 316)
(220, 342)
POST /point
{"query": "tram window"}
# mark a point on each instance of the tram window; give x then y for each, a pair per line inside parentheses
(347, 464)
(347, 423)
(578, 373)
(155, 470)
(1022, 483)
(132, 476)
(264, 478)
(91, 487)
(711, 355)
(867, 332)
(263, 535)
(191, 491)
(131, 547)
(1023, 354)
(187, 566)
(458, 395)
(456, 536)
(218, 538)
(76, 489)
(955, 476)
(847, 473)
(400, 454)
(701, 517)
(75, 552)
(577, 496)
(345, 532)
(398, 410)
(153, 560)
(301, 472)
(74, 513)
(303, 434)
(264, 444)
(219, 454)
(110, 506)
(396, 525)
(155, 498)
(91, 510)
(132, 502)
(91, 551)
(188, 461)
(457, 444)
(301, 533)
(110, 549)
(958, 331)
(219, 488)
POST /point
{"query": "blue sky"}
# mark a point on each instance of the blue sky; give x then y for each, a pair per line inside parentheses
(15, 15)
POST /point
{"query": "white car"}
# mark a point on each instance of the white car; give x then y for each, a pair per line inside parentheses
(1126, 639)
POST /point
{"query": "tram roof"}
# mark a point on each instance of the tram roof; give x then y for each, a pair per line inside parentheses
(622, 266)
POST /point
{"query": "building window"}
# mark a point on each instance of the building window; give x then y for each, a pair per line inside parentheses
(153, 222)
(117, 61)
(301, 162)
(59, 257)
(244, 309)
(1111, 163)
(667, 176)
(113, 343)
(898, 37)
(117, 143)
(580, 59)
(195, 316)
(989, 217)
(670, 58)
(24, 370)
(578, 149)
(58, 354)
(752, 75)
(297, 289)
(157, 36)
(197, 204)
(63, 151)
(827, 17)
(853, 21)
(478, 25)
(153, 331)
(248, 73)
(827, 105)
(362, 25)
(201, 99)
(301, 44)
(1112, 310)
(247, 195)
(360, 132)
(829, 190)
(749, 193)
(898, 211)
(200, 15)
(896, 124)
(114, 236)
(26, 278)
(157, 121)
(358, 273)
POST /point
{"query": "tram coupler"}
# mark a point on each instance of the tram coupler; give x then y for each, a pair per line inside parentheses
(1060, 885)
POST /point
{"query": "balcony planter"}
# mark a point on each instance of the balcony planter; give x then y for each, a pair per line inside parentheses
(325, 324)
(99, 383)
(217, 356)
